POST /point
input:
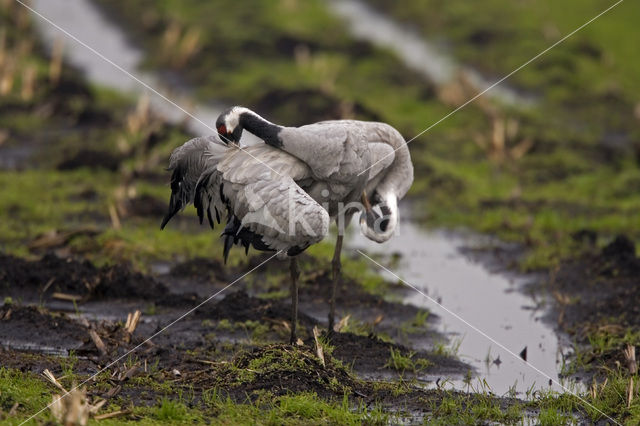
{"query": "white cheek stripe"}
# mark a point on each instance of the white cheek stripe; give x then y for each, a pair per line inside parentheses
(391, 202)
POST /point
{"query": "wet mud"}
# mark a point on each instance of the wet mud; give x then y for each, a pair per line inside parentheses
(55, 307)
(597, 293)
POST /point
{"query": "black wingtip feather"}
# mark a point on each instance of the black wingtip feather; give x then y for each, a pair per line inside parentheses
(197, 201)
(210, 218)
(175, 203)
(174, 207)
(234, 233)
(228, 243)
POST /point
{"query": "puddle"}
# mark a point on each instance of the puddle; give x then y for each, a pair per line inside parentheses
(35, 348)
(367, 24)
(433, 262)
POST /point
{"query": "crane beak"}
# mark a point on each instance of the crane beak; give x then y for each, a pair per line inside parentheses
(227, 139)
(232, 141)
(369, 215)
(365, 202)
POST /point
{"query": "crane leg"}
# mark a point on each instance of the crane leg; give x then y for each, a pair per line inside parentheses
(295, 273)
(336, 267)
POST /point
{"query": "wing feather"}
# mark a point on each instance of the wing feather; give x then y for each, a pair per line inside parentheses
(267, 210)
(187, 163)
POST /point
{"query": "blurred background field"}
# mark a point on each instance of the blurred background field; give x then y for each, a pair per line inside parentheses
(534, 173)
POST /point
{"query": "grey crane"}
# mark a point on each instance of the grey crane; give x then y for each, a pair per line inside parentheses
(283, 194)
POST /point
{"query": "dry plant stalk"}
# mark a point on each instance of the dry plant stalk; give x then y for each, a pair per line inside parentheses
(95, 407)
(3, 46)
(113, 414)
(139, 119)
(630, 357)
(121, 195)
(378, 320)
(123, 145)
(519, 151)
(189, 46)
(25, 47)
(28, 83)
(347, 110)
(504, 132)
(71, 409)
(131, 324)
(50, 377)
(610, 329)
(115, 219)
(319, 350)
(55, 65)
(460, 90)
(501, 145)
(596, 390)
(132, 321)
(98, 342)
(302, 55)
(630, 392)
(67, 297)
(8, 77)
(171, 36)
(562, 298)
(342, 323)
(23, 18)
(496, 149)
(14, 409)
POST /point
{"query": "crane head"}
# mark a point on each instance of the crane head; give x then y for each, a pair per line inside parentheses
(228, 127)
(378, 227)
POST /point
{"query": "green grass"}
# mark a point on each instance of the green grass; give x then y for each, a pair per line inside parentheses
(355, 268)
(416, 325)
(31, 392)
(405, 362)
(303, 408)
(551, 416)
(58, 207)
(457, 408)
(508, 34)
(170, 411)
(180, 405)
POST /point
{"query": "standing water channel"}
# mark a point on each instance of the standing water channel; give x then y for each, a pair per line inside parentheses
(430, 261)
(465, 293)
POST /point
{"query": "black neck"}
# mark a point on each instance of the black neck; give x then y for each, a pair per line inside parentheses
(262, 128)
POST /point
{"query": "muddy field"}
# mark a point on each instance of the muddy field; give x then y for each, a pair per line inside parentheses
(211, 346)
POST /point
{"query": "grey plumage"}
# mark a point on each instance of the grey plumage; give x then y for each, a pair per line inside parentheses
(187, 163)
(255, 187)
(281, 195)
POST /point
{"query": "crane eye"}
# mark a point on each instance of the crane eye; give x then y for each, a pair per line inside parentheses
(222, 129)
